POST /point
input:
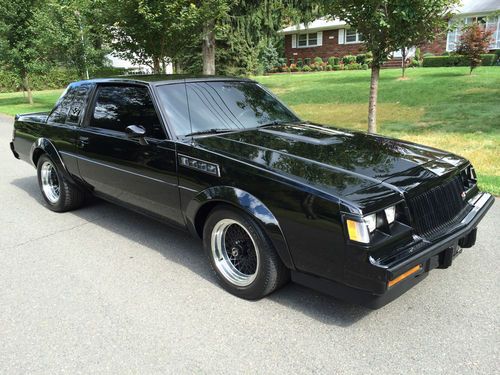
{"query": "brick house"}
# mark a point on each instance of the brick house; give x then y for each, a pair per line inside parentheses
(326, 37)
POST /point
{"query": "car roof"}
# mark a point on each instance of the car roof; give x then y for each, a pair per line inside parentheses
(160, 79)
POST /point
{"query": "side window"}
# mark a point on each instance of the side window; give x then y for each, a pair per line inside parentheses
(61, 110)
(78, 102)
(117, 107)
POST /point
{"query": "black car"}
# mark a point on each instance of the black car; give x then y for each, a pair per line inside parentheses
(362, 217)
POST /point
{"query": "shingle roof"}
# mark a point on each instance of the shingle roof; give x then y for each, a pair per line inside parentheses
(478, 6)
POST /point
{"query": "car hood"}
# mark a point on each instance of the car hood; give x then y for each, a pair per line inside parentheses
(338, 161)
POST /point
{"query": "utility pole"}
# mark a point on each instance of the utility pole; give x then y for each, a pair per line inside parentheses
(78, 15)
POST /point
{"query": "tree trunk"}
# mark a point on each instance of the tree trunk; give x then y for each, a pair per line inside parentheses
(208, 48)
(372, 106)
(156, 65)
(403, 63)
(26, 83)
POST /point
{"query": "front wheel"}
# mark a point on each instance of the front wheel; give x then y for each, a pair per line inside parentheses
(57, 192)
(242, 257)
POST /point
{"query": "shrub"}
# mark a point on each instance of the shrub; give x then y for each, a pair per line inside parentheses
(307, 61)
(299, 68)
(353, 66)
(328, 68)
(318, 60)
(268, 59)
(337, 67)
(299, 63)
(332, 60)
(457, 60)
(488, 59)
(319, 68)
(291, 61)
(364, 66)
(435, 61)
(414, 63)
(306, 68)
(293, 68)
(418, 55)
(428, 54)
(361, 58)
(348, 59)
(497, 54)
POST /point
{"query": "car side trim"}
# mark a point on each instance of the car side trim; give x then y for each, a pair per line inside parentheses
(116, 168)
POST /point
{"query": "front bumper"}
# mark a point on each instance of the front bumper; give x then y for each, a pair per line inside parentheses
(399, 275)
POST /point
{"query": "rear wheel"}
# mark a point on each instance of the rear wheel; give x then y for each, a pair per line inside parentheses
(57, 192)
(241, 255)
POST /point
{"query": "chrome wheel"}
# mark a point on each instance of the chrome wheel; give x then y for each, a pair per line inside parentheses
(50, 182)
(234, 252)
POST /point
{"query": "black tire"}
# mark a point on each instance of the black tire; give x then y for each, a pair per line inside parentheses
(69, 198)
(270, 272)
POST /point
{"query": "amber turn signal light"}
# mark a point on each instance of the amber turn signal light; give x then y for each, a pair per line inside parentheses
(403, 276)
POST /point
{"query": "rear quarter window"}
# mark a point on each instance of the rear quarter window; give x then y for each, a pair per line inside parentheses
(71, 105)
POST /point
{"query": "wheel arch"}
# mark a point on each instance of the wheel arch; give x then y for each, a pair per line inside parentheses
(199, 208)
(45, 146)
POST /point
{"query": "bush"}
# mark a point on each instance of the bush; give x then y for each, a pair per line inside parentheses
(349, 59)
(337, 67)
(332, 60)
(307, 61)
(361, 58)
(268, 59)
(306, 68)
(293, 68)
(291, 61)
(364, 66)
(9, 81)
(300, 64)
(488, 59)
(428, 54)
(328, 68)
(458, 60)
(436, 61)
(353, 66)
(318, 60)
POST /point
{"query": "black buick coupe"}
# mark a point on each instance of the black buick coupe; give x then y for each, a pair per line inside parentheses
(361, 217)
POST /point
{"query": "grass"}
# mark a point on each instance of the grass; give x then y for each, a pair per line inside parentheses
(440, 107)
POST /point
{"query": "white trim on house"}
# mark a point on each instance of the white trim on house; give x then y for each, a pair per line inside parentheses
(316, 25)
(307, 40)
(349, 33)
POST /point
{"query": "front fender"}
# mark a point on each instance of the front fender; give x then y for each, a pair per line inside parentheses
(249, 204)
(43, 145)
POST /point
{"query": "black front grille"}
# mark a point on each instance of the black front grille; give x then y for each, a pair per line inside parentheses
(438, 207)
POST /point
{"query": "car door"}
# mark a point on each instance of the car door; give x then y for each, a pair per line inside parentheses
(64, 121)
(138, 172)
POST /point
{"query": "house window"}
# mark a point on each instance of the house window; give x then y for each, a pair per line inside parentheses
(352, 36)
(491, 23)
(307, 40)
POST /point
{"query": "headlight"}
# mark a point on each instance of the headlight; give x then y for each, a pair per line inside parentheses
(360, 230)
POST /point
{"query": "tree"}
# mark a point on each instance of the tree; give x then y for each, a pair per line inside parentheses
(246, 25)
(388, 25)
(474, 41)
(18, 36)
(147, 32)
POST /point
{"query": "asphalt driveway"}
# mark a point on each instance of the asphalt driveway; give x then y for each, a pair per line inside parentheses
(104, 290)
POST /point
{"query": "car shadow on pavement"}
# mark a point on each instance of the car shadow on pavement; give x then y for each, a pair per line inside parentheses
(179, 247)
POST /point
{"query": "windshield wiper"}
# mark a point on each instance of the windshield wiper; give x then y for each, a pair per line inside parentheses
(275, 122)
(209, 131)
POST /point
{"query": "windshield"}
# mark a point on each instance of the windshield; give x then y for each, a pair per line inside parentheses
(220, 105)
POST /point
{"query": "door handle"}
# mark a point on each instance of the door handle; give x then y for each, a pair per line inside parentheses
(82, 142)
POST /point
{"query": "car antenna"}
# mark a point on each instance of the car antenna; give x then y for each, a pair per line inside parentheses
(189, 112)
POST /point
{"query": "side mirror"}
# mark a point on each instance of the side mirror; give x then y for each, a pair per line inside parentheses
(136, 131)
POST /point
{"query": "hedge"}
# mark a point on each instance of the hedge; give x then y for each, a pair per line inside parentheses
(488, 59)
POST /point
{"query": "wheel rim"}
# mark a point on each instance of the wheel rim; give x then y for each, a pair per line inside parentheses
(235, 252)
(50, 182)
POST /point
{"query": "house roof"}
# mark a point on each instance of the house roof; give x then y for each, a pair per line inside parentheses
(323, 23)
(478, 6)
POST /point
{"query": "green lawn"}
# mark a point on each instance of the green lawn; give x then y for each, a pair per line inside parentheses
(440, 107)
